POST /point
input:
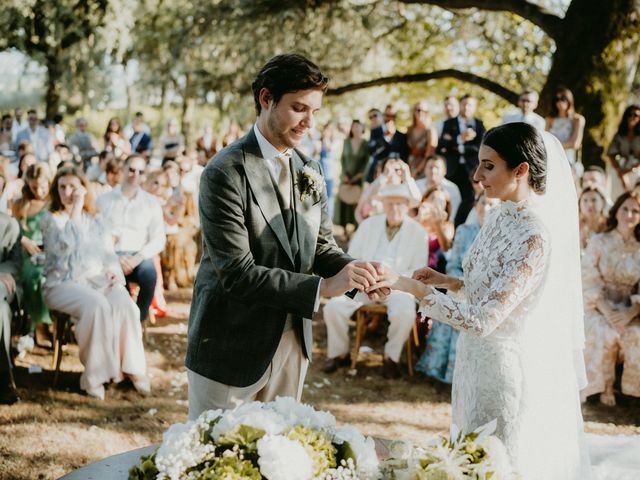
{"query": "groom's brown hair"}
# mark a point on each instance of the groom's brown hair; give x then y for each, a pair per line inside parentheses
(287, 73)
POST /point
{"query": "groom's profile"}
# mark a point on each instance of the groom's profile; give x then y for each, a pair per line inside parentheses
(269, 254)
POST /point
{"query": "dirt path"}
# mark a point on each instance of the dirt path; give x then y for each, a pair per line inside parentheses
(53, 431)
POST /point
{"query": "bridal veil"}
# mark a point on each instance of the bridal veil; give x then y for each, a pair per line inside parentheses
(553, 360)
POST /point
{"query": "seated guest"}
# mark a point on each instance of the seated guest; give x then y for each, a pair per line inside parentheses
(434, 214)
(82, 142)
(394, 239)
(115, 140)
(29, 210)
(179, 256)
(595, 176)
(172, 141)
(113, 173)
(439, 357)
(136, 219)
(157, 185)
(10, 260)
(624, 151)
(84, 279)
(434, 174)
(610, 275)
(38, 136)
(394, 172)
(206, 145)
(593, 219)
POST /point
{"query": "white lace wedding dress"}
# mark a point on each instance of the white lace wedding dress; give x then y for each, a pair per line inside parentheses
(519, 356)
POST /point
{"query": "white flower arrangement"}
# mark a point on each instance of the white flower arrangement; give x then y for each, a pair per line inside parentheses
(311, 183)
(280, 440)
(477, 455)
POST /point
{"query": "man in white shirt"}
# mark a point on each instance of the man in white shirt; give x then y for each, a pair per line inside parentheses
(434, 174)
(38, 136)
(17, 125)
(137, 221)
(400, 242)
(527, 102)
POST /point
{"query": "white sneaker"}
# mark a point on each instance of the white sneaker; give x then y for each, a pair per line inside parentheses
(96, 392)
(142, 385)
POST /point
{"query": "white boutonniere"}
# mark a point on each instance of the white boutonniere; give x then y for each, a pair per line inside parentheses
(311, 183)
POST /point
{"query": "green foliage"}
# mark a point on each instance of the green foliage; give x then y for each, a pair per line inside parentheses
(231, 466)
(243, 435)
(145, 470)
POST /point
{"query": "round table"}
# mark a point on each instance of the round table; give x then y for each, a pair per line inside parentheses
(117, 467)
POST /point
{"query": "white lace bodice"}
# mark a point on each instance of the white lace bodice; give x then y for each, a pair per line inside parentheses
(503, 272)
(503, 268)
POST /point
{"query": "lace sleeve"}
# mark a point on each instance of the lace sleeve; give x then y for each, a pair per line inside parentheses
(592, 282)
(510, 282)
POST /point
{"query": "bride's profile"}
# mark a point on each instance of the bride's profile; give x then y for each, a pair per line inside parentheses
(519, 308)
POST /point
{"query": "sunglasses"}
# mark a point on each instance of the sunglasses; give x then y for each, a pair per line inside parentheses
(135, 170)
(562, 99)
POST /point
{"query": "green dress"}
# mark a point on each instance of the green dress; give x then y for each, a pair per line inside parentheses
(31, 276)
(352, 164)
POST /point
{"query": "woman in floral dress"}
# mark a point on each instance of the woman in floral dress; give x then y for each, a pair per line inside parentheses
(610, 276)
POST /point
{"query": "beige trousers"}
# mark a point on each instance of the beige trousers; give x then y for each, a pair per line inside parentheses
(401, 311)
(284, 377)
(107, 329)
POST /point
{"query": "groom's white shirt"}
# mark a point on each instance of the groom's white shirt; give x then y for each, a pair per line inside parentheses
(269, 153)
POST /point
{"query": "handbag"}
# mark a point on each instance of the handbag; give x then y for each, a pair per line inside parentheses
(349, 194)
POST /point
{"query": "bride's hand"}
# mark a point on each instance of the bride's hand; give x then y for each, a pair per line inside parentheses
(387, 280)
(429, 276)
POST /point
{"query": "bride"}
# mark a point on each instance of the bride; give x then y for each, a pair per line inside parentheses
(519, 308)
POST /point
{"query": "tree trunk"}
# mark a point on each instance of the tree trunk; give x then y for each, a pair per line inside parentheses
(55, 68)
(597, 58)
(186, 115)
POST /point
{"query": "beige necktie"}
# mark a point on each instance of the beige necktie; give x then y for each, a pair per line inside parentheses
(284, 179)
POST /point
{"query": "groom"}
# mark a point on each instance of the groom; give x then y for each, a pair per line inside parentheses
(266, 232)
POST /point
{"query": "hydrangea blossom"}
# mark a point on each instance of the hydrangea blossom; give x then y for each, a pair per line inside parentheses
(252, 414)
(295, 413)
(283, 459)
(364, 449)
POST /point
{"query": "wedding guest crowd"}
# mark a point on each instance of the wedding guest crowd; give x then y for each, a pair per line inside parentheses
(105, 226)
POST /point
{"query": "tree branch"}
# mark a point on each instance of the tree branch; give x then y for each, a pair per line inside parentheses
(485, 83)
(536, 14)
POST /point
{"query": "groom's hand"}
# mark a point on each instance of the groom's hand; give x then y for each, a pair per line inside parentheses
(357, 274)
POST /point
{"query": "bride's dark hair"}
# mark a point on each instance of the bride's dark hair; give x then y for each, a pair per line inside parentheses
(520, 142)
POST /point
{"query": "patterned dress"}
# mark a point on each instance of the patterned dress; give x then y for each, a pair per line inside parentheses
(439, 358)
(611, 271)
(503, 273)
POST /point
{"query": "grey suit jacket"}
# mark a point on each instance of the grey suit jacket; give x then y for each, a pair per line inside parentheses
(253, 272)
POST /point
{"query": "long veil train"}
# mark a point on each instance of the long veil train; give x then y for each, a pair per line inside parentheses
(554, 347)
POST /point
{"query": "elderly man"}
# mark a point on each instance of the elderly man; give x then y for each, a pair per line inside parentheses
(398, 241)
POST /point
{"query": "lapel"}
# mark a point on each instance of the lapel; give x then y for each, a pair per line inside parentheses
(261, 185)
(307, 213)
